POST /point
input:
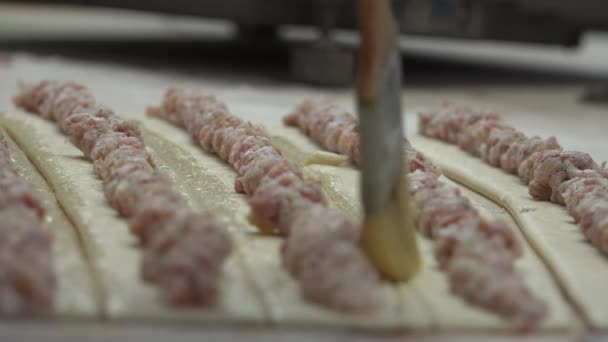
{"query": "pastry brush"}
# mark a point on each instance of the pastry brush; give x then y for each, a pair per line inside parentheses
(388, 236)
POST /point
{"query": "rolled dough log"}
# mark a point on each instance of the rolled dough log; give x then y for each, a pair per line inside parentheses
(579, 268)
(77, 295)
(447, 311)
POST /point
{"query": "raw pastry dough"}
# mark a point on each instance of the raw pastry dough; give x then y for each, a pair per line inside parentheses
(580, 270)
(255, 287)
(116, 258)
(76, 295)
(447, 311)
(261, 253)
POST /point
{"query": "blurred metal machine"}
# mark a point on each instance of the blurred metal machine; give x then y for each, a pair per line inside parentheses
(531, 21)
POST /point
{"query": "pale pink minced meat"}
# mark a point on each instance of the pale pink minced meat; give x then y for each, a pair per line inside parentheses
(337, 130)
(27, 277)
(320, 247)
(476, 254)
(565, 177)
(183, 251)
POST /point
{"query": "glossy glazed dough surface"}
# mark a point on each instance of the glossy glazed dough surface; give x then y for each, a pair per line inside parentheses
(579, 268)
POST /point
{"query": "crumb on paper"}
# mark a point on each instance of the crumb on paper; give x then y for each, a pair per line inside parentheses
(527, 209)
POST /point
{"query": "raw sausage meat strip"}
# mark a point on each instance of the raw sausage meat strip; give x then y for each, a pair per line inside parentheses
(483, 134)
(477, 255)
(27, 278)
(320, 248)
(564, 177)
(338, 131)
(183, 251)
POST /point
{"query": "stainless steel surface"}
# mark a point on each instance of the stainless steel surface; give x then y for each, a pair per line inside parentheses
(323, 61)
(258, 21)
(539, 21)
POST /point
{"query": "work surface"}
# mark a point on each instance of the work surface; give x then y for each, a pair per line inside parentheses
(129, 90)
(536, 107)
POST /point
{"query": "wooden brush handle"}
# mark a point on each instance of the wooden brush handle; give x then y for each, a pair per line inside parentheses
(378, 36)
